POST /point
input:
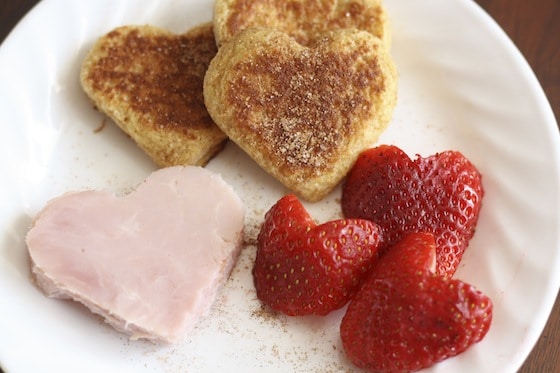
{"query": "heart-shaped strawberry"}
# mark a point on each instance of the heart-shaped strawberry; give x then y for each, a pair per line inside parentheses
(406, 318)
(304, 20)
(303, 268)
(441, 194)
(303, 114)
(150, 262)
(149, 81)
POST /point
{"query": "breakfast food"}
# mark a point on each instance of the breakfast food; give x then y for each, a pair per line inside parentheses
(303, 87)
(302, 19)
(406, 318)
(441, 194)
(150, 262)
(302, 268)
(406, 312)
(149, 81)
(302, 113)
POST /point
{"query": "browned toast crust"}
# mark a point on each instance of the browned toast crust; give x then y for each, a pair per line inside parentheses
(304, 20)
(150, 81)
(303, 114)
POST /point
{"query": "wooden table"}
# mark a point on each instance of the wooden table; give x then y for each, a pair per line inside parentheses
(534, 27)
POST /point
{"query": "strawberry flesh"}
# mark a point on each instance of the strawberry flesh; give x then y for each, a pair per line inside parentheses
(441, 194)
(407, 318)
(302, 268)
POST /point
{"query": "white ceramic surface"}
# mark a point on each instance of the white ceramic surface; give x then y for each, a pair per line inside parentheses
(463, 86)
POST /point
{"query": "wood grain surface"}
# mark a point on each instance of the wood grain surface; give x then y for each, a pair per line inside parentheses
(535, 28)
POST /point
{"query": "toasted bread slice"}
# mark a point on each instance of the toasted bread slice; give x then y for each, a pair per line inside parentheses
(302, 113)
(304, 20)
(149, 81)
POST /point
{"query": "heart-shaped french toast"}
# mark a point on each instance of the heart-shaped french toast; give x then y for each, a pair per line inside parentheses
(149, 262)
(304, 20)
(302, 113)
(149, 81)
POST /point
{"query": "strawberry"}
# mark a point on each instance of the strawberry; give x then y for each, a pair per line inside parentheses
(440, 194)
(406, 318)
(302, 268)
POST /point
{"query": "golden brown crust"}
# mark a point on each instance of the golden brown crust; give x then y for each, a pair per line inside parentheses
(304, 20)
(303, 114)
(149, 82)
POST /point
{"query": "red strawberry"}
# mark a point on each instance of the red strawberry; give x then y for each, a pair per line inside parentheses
(440, 194)
(303, 268)
(407, 318)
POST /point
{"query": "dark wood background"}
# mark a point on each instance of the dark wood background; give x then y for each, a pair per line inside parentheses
(534, 26)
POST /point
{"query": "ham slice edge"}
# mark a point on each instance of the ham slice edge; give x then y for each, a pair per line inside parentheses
(150, 262)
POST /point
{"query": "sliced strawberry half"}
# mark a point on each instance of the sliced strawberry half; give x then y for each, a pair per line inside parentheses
(441, 194)
(407, 318)
(302, 268)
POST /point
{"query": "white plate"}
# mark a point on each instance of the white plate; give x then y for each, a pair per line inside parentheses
(463, 86)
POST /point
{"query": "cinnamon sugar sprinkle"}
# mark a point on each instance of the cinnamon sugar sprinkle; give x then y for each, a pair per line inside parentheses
(306, 20)
(159, 75)
(302, 108)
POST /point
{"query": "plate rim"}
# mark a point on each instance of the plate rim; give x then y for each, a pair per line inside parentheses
(551, 129)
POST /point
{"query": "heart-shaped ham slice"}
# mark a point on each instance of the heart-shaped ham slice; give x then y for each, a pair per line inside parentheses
(150, 262)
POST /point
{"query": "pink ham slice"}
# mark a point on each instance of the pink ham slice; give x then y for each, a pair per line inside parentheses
(150, 262)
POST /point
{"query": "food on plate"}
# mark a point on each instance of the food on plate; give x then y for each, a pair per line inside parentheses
(405, 317)
(149, 81)
(150, 262)
(441, 194)
(303, 114)
(406, 312)
(302, 268)
(303, 19)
